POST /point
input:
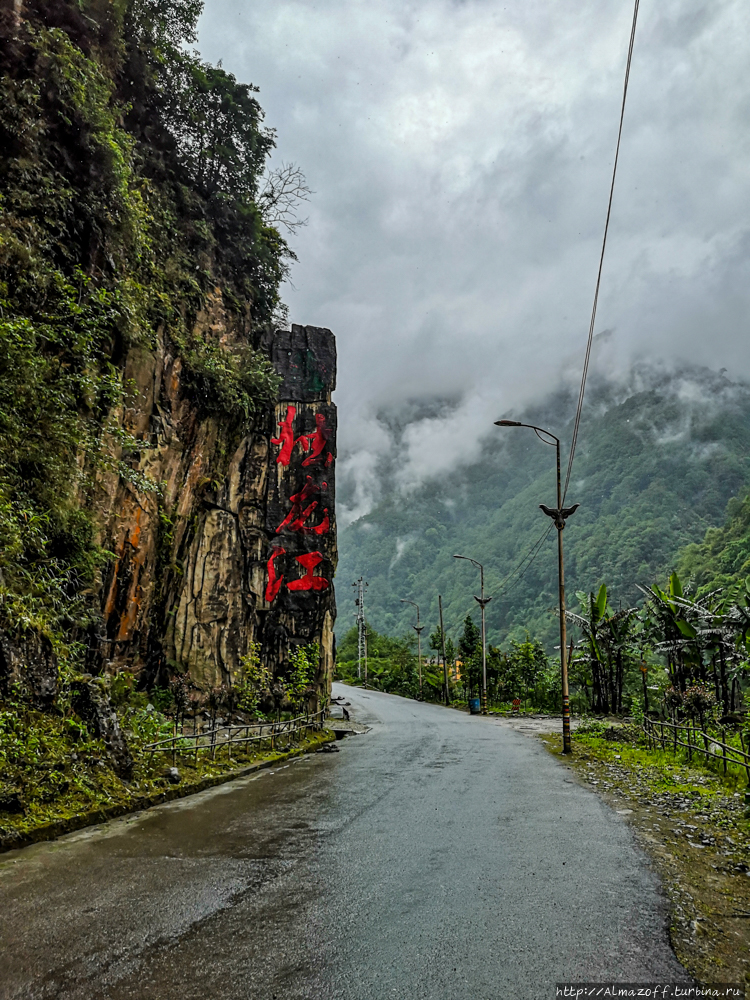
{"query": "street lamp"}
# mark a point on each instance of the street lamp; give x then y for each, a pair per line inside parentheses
(482, 602)
(418, 629)
(559, 516)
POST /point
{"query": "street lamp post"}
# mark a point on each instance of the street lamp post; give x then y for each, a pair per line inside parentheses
(559, 516)
(442, 645)
(418, 629)
(482, 602)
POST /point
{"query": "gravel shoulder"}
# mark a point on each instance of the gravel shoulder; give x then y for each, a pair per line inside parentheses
(693, 828)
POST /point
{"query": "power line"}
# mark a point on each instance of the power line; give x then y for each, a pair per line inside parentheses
(530, 555)
(601, 257)
(519, 569)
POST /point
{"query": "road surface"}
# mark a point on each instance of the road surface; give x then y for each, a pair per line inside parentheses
(438, 856)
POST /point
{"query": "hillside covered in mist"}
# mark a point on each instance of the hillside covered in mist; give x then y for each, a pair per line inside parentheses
(658, 460)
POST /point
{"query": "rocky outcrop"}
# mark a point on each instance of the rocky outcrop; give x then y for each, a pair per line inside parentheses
(28, 665)
(239, 543)
(91, 701)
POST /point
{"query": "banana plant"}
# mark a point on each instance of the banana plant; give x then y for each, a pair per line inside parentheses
(594, 609)
(723, 628)
(666, 626)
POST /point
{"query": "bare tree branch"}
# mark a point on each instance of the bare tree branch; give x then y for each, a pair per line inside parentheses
(279, 200)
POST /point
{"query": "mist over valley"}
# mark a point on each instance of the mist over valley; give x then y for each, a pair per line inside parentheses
(660, 455)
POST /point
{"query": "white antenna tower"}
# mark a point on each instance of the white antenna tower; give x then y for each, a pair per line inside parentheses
(359, 603)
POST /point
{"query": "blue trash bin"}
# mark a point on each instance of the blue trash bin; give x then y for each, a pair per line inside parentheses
(474, 706)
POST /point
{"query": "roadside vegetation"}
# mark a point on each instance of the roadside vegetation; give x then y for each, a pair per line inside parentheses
(679, 655)
(57, 776)
(57, 766)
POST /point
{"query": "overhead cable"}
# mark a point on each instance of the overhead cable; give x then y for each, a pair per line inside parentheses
(587, 358)
(526, 560)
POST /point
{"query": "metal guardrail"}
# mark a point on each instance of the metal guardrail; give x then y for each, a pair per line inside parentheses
(667, 735)
(210, 740)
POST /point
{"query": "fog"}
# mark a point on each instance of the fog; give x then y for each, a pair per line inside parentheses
(460, 155)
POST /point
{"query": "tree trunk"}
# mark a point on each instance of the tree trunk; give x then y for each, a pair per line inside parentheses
(619, 681)
(612, 681)
(716, 677)
(598, 685)
(724, 685)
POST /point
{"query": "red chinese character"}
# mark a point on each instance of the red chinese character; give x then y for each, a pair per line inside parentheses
(274, 582)
(302, 507)
(286, 438)
(309, 581)
(319, 442)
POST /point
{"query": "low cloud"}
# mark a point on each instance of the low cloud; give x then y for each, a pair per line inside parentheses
(461, 154)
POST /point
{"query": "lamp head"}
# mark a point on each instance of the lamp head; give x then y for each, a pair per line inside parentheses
(508, 423)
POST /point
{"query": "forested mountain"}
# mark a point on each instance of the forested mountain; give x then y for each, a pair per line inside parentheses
(658, 460)
(722, 558)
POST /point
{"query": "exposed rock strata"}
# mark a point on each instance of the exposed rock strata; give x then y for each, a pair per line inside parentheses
(189, 586)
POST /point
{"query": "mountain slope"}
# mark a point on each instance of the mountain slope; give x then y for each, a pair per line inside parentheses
(657, 463)
(723, 557)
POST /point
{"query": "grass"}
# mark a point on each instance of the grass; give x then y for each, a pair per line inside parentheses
(54, 773)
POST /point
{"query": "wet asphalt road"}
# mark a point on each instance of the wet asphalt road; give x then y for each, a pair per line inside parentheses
(438, 856)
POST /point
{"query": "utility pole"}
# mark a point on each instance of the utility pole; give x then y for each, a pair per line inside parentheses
(418, 629)
(559, 516)
(482, 602)
(445, 662)
(359, 603)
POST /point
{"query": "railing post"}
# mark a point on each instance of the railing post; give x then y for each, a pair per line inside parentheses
(724, 748)
(746, 760)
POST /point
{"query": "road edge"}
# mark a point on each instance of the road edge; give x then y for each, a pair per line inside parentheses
(58, 828)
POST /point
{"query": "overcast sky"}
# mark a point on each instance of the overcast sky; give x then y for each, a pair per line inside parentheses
(460, 154)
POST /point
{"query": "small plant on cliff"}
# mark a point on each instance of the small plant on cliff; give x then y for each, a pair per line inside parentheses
(304, 662)
(224, 384)
(254, 681)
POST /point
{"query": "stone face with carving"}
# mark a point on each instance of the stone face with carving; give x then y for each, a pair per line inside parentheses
(241, 545)
(300, 520)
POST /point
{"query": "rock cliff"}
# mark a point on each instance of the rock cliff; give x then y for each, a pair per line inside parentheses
(162, 503)
(240, 545)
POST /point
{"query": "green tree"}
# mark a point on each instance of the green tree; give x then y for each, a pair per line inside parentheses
(470, 651)
(304, 662)
(255, 680)
(528, 662)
